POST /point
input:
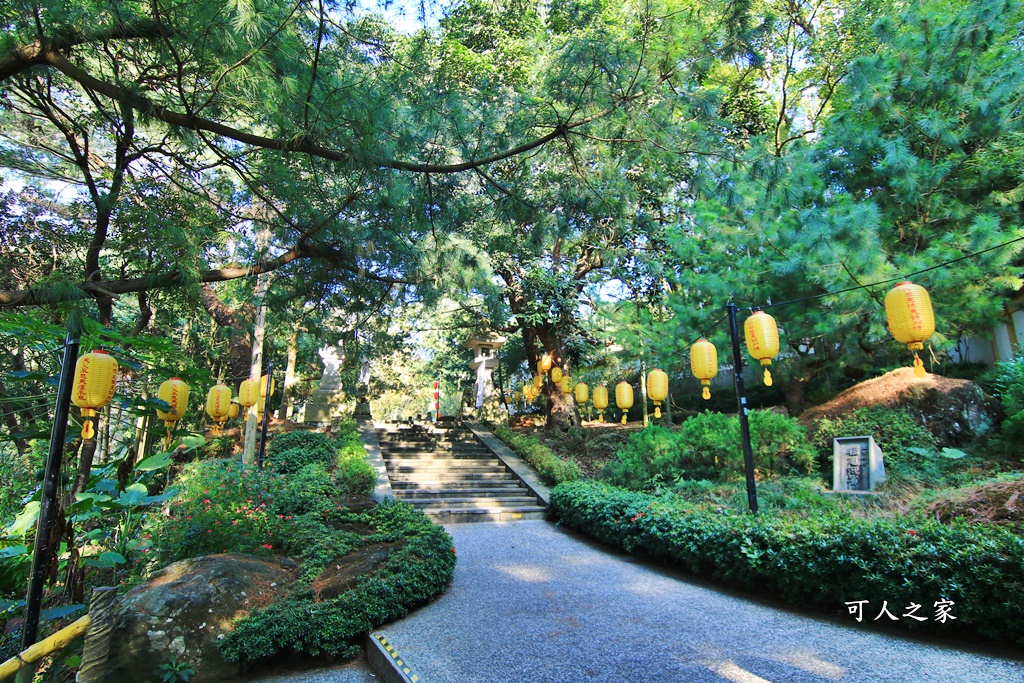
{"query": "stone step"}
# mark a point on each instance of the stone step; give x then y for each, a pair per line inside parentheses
(462, 516)
(412, 485)
(466, 492)
(442, 472)
(445, 463)
(446, 477)
(439, 457)
(471, 502)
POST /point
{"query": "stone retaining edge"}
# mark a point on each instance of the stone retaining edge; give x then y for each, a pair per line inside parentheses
(517, 465)
(368, 433)
(385, 662)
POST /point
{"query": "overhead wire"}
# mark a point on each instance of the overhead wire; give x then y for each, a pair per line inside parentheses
(885, 282)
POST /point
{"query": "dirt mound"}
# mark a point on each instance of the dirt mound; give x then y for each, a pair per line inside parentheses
(1000, 503)
(344, 572)
(954, 410)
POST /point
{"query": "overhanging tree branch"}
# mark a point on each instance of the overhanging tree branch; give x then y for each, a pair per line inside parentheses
(40, 296)
(48, 53)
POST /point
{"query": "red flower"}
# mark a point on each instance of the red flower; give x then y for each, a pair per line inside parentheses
(267, 546)
(911, 532)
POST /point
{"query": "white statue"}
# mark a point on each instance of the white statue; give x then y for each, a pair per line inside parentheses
(332, 359)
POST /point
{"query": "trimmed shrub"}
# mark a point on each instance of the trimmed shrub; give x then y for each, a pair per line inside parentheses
(551, 468)
(352, 473)
(822, 562)
(410, 577)
(292, 451)
(708, 446)
(310, 490)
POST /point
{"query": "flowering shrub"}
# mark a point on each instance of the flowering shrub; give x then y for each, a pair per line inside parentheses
(822, 561)
(219, 509)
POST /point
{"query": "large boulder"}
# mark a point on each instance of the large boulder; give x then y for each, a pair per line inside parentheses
(954, 410)
(185, 608)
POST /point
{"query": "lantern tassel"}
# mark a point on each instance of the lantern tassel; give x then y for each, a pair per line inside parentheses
(918, 366)
(87, 430)
(767, 378)
(657, 412)
(623, 418)
(706, 393)
(600, 417)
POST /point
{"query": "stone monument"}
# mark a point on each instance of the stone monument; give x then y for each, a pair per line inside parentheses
(363, 390)
(487, 404)
(326, 402)
(857, 464)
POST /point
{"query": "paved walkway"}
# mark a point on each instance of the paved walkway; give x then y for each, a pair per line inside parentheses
(531, 603)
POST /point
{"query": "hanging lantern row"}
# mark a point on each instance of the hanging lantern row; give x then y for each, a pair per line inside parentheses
(96, 378)
(908, 311)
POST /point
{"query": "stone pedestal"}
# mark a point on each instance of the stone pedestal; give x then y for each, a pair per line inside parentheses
(327, 403)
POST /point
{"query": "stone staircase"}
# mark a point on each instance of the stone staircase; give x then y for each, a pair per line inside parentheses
(448, 474)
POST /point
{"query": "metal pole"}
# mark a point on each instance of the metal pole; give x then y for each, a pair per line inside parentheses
(741, 403)
(48, 502)
(266, 416)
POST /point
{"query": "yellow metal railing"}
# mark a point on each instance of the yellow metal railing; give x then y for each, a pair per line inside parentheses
(34, 653)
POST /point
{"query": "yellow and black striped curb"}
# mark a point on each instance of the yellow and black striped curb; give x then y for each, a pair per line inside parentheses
(386, 662)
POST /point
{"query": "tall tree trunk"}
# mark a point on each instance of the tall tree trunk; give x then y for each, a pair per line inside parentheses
(285, 412)
(256, 364)
(561, 412)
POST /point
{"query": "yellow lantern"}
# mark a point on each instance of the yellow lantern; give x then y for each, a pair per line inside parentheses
(762, 340)
(515, 397)
(657, 388)
(566, 384)
(624, 398)
(233, 410)
(704, 364)
(545, 363)
(908, 310)
(556, 374)
(538, 380)
(600, 401)
(248, 393)
(174, 392)
(582, 393)
(95, 379)
(218, 405)
(263, 386)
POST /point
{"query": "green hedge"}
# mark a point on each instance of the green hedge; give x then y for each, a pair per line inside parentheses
(291, 451)
(821, 562)
(707, 446)
(410, 577)
(551, 468)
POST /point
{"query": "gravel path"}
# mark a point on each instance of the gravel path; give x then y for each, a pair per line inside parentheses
(531, 603)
